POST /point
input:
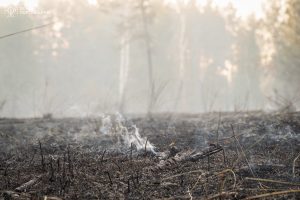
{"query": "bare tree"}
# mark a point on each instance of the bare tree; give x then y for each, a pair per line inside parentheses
(2, 104)
(145, 24)
(285, 32)
(124, 57)
(182, 52)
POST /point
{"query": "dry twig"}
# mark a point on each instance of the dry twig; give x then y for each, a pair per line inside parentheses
(294, 165)
(222, 195)
(271, 181)
(272, 194)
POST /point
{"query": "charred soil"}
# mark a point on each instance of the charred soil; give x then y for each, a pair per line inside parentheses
(251, 155)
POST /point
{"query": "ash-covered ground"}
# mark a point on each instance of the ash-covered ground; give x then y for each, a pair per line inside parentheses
(251, 155)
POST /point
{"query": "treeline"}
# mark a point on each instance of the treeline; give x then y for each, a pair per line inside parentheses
(144, 56)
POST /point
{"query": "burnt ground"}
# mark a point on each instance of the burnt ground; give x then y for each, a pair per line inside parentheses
(244, 156)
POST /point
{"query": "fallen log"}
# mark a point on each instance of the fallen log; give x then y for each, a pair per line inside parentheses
(28, 184)
(51, 198)
(188, 156)
(179, 157)
(213, 149)
(11, 195)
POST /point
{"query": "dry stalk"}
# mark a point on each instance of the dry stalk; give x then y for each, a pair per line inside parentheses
(271, 181)
(26, 30)
(69, 160)
(244, 154)
(197, 181)
(219, 121)
(185, 173)
(128, 185)
(258, 189)
(131, 148)
(190, 194)
(103, 155)
(203, 174)
(114, 162)
(239, 157)
(294, 165)
(233, 175)
(42, 156)
(146, 147)
(221, 195)
(108, 174)
(272, 194)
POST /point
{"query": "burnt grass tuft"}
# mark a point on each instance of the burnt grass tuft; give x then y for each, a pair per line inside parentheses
(52, 158)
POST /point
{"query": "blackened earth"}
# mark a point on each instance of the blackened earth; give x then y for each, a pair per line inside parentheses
(71, 158)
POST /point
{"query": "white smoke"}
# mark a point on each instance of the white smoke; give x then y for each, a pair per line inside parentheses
(123, 136)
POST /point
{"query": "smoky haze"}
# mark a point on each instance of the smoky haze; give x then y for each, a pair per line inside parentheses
(142, 56)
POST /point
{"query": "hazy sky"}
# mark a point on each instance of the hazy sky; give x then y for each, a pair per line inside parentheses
(244, 7)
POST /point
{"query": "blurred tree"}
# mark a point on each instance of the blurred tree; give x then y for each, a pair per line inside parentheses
(80, 44)
(182, 54)
(18, 67)
(136, 27)
(247, 74)
(209, 46)
(145, 13)
(165, 36)
(2, 104)
(124, 36)
(283, 23)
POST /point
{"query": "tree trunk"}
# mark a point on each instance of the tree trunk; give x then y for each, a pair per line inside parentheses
(151, 102)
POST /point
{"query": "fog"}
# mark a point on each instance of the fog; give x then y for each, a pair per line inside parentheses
(147, 56)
